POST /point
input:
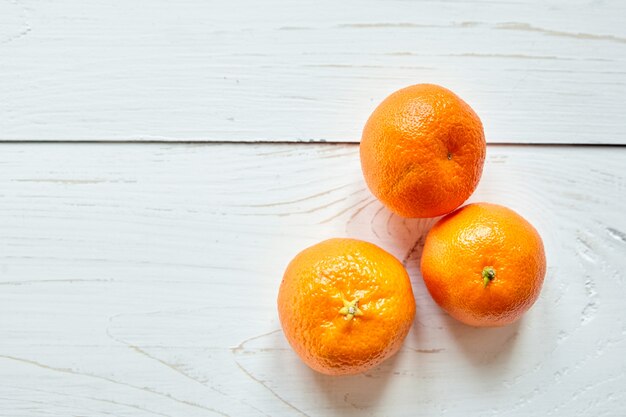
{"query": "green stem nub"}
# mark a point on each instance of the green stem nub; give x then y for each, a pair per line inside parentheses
(488, 275)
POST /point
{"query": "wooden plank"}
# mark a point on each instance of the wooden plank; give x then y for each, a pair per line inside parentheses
(141, 280)
(536, 71)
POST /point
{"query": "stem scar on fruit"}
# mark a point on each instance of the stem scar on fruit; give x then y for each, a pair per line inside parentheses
(488, 275)
(350, 309)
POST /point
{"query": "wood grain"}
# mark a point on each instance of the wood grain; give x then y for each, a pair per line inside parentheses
(312, 70)
(140, 280)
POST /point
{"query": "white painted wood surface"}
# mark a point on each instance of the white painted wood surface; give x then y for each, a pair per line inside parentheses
(140, 280)
(535, 71)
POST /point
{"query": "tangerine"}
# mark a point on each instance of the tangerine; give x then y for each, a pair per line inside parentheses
(484, 264)
(422, 151)
(345, 305)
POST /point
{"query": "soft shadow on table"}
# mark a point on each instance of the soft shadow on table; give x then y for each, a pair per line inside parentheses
(355, 393)
(485, 347)
(268, 360)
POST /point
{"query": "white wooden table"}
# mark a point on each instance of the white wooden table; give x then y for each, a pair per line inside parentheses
(139, 270)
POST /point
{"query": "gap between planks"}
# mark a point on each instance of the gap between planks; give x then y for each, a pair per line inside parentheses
(284, 142)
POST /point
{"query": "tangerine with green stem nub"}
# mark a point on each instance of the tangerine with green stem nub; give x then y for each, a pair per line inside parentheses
(484, 264)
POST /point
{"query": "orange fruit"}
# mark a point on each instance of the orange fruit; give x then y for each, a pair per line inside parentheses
(345, 305)
(422, 151)
(484, 264)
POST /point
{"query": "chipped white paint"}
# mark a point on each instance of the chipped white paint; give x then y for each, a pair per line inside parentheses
(140, 280)
(536, 71)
